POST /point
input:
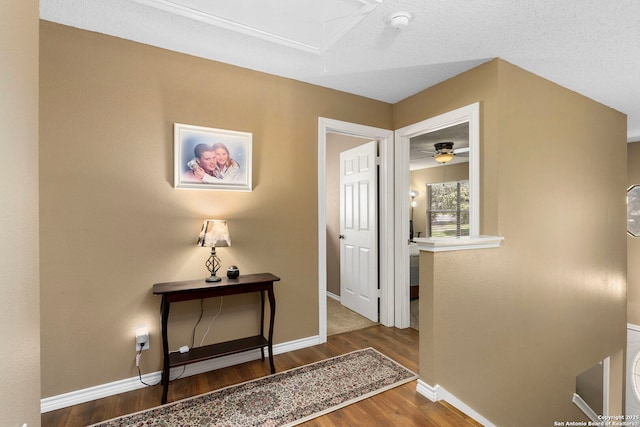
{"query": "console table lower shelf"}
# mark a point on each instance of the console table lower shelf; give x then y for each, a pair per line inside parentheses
(199, 354)
(199, 289)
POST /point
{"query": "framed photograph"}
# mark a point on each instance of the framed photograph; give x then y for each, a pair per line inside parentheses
(211, 159)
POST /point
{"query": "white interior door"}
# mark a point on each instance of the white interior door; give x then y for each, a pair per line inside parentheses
(359, 230)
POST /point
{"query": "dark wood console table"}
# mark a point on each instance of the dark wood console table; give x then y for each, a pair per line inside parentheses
(198, 289)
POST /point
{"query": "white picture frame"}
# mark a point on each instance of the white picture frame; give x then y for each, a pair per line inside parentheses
(212, 159)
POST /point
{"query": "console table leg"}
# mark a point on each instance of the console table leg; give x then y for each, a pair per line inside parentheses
(272, 310)
(165, 349)
(262, 321)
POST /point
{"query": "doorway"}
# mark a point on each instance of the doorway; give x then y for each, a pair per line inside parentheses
(384, 138)
(352, 241)
(470, 115)
(341, 317)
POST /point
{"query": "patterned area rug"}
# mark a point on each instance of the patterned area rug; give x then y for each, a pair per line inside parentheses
(284, 399)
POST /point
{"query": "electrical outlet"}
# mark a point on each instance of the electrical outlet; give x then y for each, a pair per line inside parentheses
(142, 338)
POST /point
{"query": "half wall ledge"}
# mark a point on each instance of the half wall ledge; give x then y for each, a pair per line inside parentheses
(444, 244)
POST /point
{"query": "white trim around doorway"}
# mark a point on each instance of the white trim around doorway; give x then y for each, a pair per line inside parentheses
(386, 216)
(469, 113)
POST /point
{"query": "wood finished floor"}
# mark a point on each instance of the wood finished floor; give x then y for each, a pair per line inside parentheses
(401, 406)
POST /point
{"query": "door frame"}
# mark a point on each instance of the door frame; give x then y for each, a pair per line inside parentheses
(386, 240)
(469, 113)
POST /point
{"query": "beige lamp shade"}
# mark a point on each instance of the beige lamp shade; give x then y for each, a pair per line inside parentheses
(214, 234)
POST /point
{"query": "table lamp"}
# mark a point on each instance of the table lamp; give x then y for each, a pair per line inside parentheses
(214, 234)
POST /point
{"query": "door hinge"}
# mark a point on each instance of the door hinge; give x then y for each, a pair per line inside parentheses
(378, 161)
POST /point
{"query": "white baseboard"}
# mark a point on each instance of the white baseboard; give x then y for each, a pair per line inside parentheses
(333, 296)
(435, 393)
(104, 390)
(427, 391)
(585, 408)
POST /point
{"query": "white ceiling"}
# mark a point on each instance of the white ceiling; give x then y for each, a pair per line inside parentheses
(589, 46)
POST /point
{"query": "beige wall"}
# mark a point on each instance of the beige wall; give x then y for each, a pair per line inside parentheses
(19, 278)
(336, 144)
(418, 182)
(112, 225)
(633, 243)
(512, 327)
(468, 88)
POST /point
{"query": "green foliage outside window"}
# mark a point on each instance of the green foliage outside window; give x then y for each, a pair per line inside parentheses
(448, 209)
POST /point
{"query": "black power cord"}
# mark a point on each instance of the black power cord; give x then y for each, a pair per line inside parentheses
(193, 337)
(138, 355)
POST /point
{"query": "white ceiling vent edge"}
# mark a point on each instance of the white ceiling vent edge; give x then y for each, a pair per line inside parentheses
(317, 33)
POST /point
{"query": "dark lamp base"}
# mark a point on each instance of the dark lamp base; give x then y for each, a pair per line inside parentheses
(213, 279)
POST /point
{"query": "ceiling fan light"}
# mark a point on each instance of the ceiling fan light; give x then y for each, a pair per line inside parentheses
(444, 152)
(443, 157)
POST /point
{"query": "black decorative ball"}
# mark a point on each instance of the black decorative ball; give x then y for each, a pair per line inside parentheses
(233, 272)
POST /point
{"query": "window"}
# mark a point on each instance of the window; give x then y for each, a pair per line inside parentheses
(448, 209)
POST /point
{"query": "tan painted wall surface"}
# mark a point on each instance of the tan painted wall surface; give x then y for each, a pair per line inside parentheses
(513, 327)
(112, 225)
(19, 278)
(633, 243)
(462, 90)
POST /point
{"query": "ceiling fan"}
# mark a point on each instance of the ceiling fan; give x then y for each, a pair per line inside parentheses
(444, 152)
